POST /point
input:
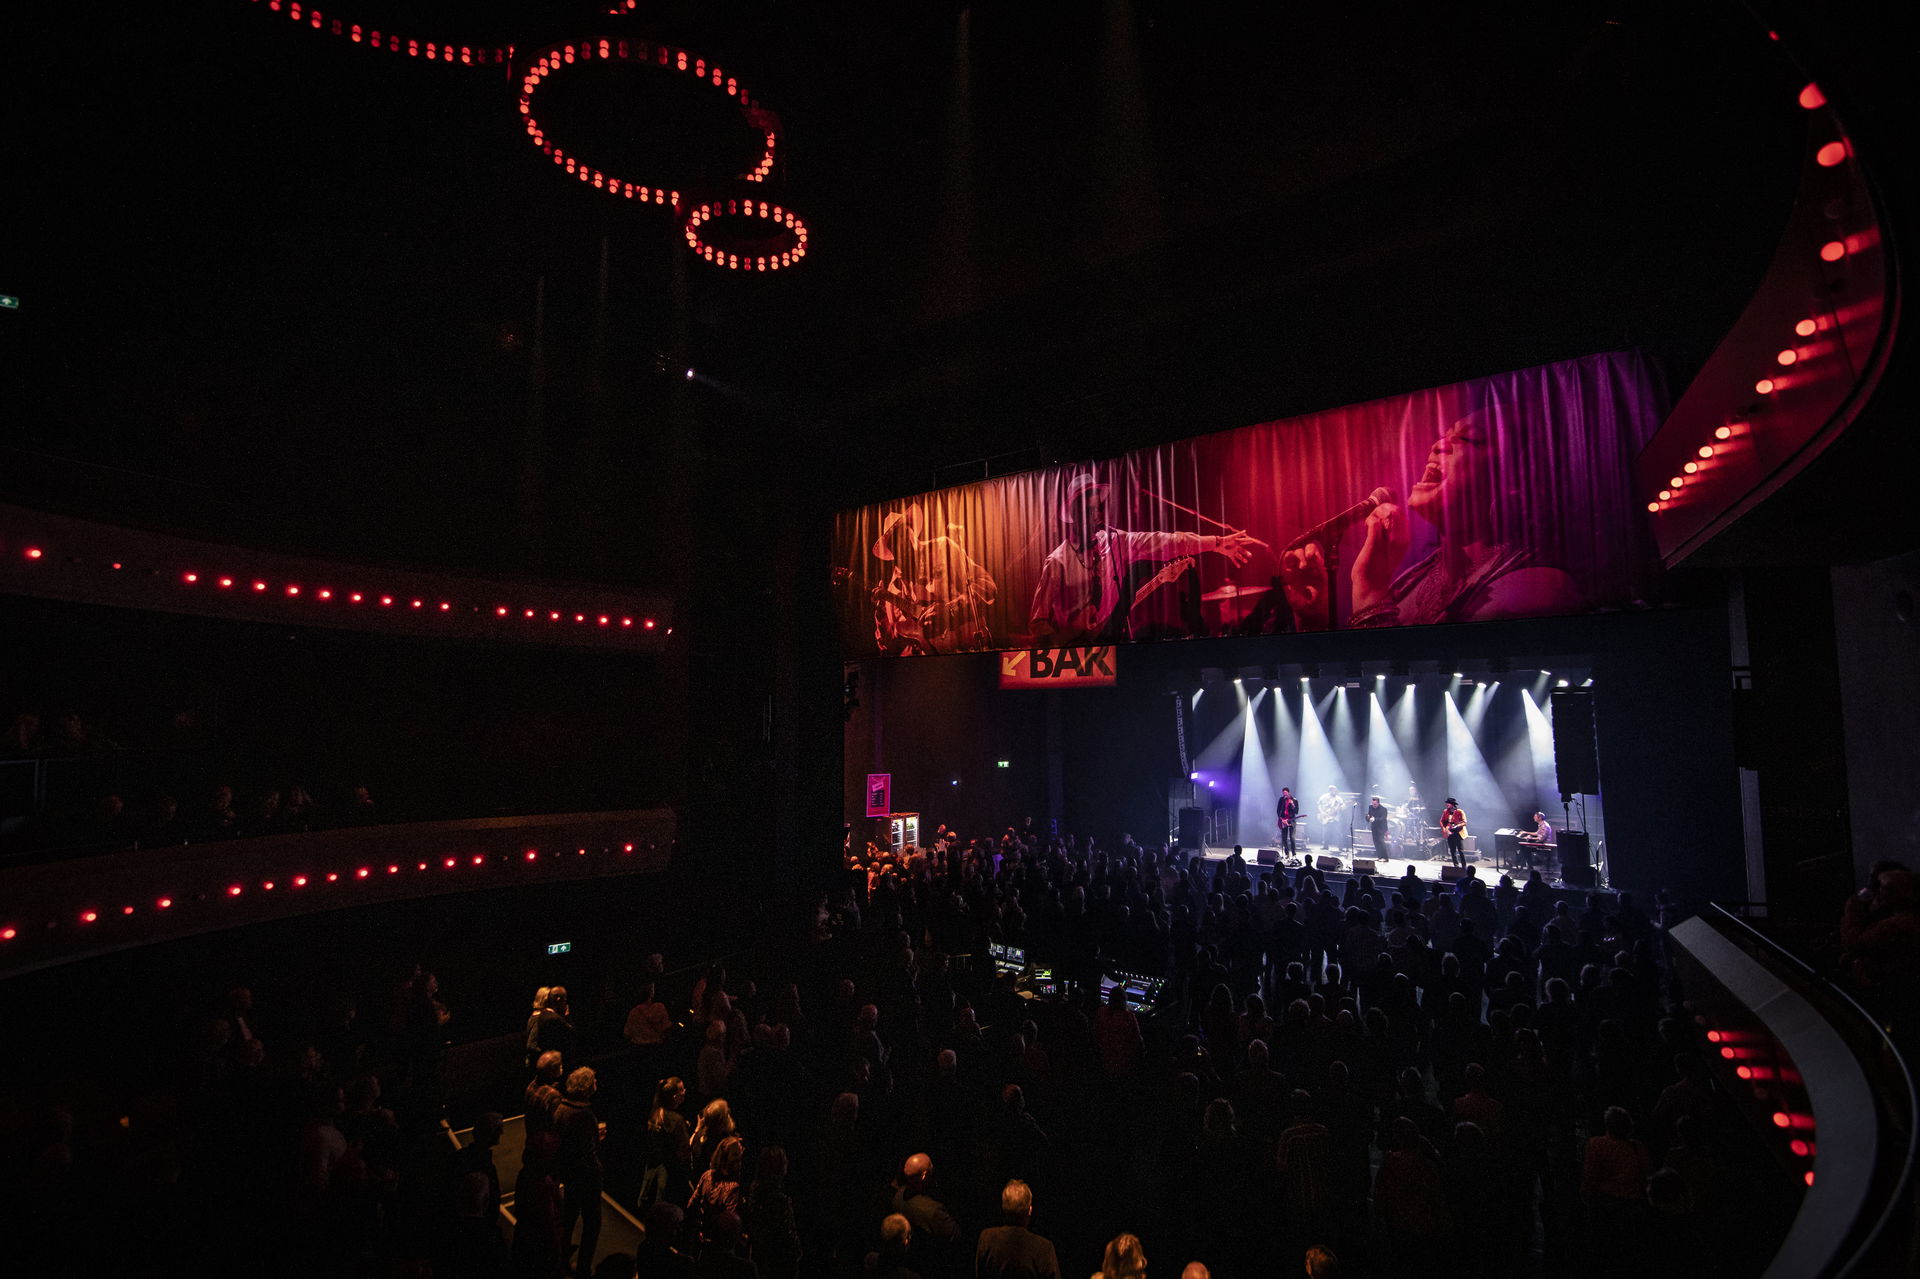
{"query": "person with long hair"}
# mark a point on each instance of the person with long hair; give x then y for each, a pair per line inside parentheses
(714, 1126)
(666, 1156)
(718, 1190)
(1123, 1259)
(1488, 563)
(772, 1231)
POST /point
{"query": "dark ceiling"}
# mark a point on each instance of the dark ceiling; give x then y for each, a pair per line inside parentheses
(333, 298)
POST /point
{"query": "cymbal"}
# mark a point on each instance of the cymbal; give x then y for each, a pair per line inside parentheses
(1230, 591)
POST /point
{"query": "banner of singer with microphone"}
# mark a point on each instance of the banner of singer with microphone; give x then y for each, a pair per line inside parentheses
(1503, 497)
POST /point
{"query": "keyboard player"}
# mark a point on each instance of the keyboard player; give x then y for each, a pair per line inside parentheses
(1534, 842)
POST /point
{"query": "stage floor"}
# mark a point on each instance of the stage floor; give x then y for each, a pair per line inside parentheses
(1487, 868)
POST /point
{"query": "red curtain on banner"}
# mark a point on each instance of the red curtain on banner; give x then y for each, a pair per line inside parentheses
(1506, 496)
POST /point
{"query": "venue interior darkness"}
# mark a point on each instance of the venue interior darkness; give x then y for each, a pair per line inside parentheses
(678, 639)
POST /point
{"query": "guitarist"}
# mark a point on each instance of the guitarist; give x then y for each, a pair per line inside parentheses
(1289, 815)
(1081, 593)
(1331, 807)
(1453, 823)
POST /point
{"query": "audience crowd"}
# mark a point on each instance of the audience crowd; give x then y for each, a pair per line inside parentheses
(1372, 1078)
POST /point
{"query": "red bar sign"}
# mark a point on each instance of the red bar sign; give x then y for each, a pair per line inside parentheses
(1087, 667)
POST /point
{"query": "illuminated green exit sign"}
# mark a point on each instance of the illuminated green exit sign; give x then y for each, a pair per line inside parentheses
(559, 947)
(8, 302)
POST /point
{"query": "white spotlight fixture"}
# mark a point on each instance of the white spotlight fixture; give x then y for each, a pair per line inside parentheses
(1560, 683)
(1193, 777)
(1587, 682)
(1459, 675)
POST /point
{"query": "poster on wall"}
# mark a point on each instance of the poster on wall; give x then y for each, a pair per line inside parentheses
(1503, 497)
(879, 794)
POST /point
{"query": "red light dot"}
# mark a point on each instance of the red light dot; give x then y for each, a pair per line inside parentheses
(356, 597)
(1713, 1036)
(1799, 1147)
(1833, 251)
(393, 870)
(386, 601)
(423, 866)
(1788, 356)
(88, 916)
(1809, 1177)
(629, 848)
(1811, 98)
(580, 852)
(34, 552)
(479, 861)
(649, 623)
(1806, 328)
(293, 590)
(234, 890)
(362, 873)
(226, 582)
(1706, 450)
(444, 606)
(126, 910)
(529, 612)
(1690, 467)
(450, 863)
(299, 881)
(333, 877)
(1764, 386)
(259, 586)
(164, 903)
(626, 621)
(502, 610)
(604, 619)
(116, 564)
(8, 934)
(579, 617)
(1831, 154)
(1675, 482)
(1653, 506)
(416, 603)
(326, 594)
(267, 884)
(1745, 1072)
(1723, 433)
(1727, 1053)
(1781, 1119)
(552, 616)
(189, 578)
(531, 855)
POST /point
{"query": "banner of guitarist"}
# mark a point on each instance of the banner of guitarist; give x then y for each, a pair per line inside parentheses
(1502, 497)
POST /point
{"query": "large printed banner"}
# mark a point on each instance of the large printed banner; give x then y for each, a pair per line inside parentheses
(1502, 497)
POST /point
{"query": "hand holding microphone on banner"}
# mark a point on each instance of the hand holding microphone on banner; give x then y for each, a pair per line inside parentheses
(1309, 560)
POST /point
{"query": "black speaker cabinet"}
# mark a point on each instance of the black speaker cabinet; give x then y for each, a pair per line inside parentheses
(1576, 859)
(1193, 828)
(1576, 763)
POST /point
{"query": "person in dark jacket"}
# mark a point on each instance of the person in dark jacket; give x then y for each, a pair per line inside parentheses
(1013, 1251)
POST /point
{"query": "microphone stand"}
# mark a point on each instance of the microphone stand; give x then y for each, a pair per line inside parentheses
(1330, 556)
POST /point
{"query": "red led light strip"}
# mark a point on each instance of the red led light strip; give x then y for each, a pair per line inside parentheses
(260, 587)
(374, 38)
(1829, 155)
(92, 915)
(787, 224)
(641, 53)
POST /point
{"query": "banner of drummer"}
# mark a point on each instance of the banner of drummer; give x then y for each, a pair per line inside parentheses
(1503, 497)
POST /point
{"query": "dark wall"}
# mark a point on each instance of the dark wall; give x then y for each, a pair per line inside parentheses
(433, 729)
(1879, 663)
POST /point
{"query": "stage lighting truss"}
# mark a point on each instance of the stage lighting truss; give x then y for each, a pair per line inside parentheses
(781, 243)
(746, 234)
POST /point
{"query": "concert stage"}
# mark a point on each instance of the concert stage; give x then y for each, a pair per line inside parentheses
(1391, 868)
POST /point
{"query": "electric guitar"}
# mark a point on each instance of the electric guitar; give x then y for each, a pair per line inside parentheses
(1169, 573)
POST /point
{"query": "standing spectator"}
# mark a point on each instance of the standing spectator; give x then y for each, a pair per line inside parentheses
(889, 1260)
(1124, 1259)
(718, 1191)
(715, 1126)
(580, 1130)
(936, 1235)
(772, 1230)
(1410, 1197)
(477, 1156)
(1013, 1251)
(714, 1066)
(543, 1094)
(539, 1242)
(1613, 1182)
(540, 997)
(1116, 1035)
(553, 1026)
(659, 1256)
(666, 1155)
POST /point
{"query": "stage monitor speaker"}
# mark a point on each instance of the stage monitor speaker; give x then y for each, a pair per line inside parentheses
(1365, 866)
(1327, 862)
(1576, 859)
(1575, 761)
(1451, 872)
(1193, 828)
(1268, 856)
